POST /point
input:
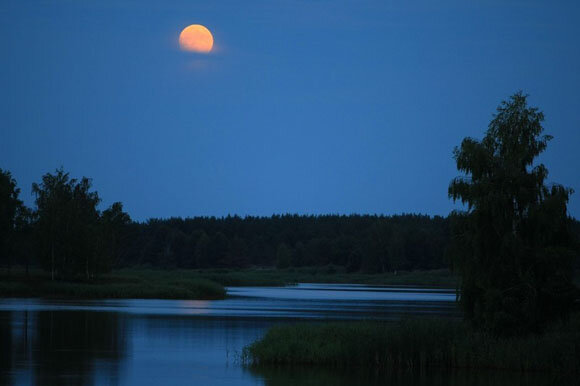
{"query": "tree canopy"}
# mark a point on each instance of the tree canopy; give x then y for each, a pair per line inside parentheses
(512, 245)
(72, 237)
(11, 215)
(67, 219)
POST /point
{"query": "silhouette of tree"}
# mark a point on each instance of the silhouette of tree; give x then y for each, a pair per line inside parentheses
(114, 224)
(78, 238)
(202, 254)
(238, 253)
(511, 245)
(67, 225)
(12, 216)
(283, 256)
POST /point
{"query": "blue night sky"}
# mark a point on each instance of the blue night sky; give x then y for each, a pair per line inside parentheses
(304, 106)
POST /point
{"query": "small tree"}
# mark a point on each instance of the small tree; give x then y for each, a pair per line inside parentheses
(114, 224)
(67, 225)
(511, 245)
(12, 213)
(202, 251)
(283, 256)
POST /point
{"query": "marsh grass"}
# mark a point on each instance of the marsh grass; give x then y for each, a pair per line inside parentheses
(327, 274)
(266, 276)
(348, 376)
(202, 284)
(416, 345)
(137, 284)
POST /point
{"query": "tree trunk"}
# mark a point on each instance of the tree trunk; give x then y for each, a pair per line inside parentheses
(52, 261)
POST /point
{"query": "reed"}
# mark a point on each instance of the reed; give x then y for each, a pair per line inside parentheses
(416, 345)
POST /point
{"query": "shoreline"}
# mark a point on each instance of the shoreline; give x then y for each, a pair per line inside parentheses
(140, 283)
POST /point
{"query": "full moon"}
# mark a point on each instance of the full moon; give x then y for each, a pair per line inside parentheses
(196, 38)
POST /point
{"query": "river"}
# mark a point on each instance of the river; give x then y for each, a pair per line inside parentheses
(194, 342)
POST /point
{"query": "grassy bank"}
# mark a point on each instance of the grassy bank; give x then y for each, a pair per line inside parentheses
(416, 345)
(203, 284)
(327, 274)
(269, 276)
(198, 284)
(139, 284)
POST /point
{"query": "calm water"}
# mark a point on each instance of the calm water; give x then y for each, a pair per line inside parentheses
(173, 342)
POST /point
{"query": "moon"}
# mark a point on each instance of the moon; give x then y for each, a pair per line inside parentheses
(196, 38)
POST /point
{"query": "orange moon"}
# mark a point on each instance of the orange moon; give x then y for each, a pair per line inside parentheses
(196, 38)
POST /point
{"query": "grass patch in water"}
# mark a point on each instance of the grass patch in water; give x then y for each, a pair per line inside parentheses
(416, 345)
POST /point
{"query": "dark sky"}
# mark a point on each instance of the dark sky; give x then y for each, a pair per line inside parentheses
(310, 106)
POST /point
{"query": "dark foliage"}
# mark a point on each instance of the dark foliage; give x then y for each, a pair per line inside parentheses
(69, 236)
(372, 244)
(72, 238)
(13, 218)
(420, 344)
(513, 247)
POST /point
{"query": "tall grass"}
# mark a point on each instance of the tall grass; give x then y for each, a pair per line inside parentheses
(271, 276)
(327, 274)
(143, 284)
(348, 376)
(416, 345)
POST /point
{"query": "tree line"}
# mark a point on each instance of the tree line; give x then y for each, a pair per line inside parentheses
(67, 235)
(358, 243)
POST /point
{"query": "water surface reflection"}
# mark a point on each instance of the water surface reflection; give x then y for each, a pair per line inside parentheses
(61, 347)
(152, 342)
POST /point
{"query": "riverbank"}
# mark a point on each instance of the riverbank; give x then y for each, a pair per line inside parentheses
(442, 278)
(204, 284)
(199, 284)
(135, 284)
(416, 345)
